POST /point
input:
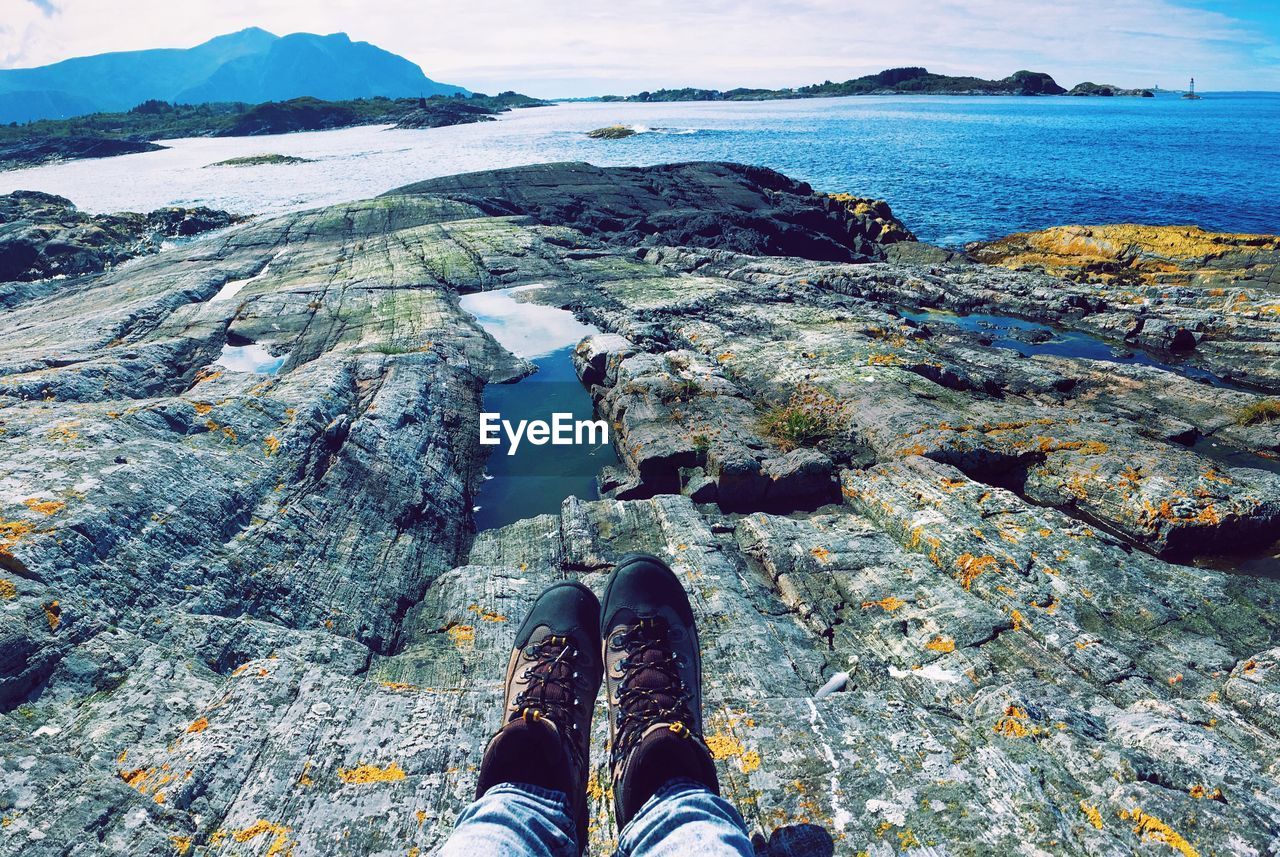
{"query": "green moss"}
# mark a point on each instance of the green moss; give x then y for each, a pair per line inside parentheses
(1262, 411)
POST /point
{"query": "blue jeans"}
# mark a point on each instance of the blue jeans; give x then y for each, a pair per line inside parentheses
(682, 819)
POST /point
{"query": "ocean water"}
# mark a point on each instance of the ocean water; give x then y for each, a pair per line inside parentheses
(955, 169)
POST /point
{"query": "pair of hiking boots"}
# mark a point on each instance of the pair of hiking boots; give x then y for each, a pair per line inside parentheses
(644, 643)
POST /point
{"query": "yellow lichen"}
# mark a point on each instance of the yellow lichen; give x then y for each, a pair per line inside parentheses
(44, 507)
(7, 589)
(462, 635)
(971, 567)
(53, 614)
(369, 773)
(12, 532)
(486, 615)
(280, 845)
(1091, 812)
(1014, 723)
(181, 844)
(941, 644)
(1149, 828)
(749, 762)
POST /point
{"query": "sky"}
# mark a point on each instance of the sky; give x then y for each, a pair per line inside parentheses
(570, 48)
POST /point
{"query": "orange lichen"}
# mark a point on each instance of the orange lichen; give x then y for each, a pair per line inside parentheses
(822, 554)
(888, 604)
(1014, 723)
(270, 445)
(367, 774)
(53, 614)
(202, 408)
(398, 686)
(1019, 622)
(8, 589)
(486, 615)
(44, 507)
(883, 360)
(199, 725)
(1150, 828)
(280, 845)
(941, 644)
(971, 567)
(1200, 792)
(462, 635)
(12, 532)
(1091, 812)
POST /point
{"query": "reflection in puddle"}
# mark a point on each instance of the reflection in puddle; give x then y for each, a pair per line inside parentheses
(537, 479)
(526, 330)
(250, 358)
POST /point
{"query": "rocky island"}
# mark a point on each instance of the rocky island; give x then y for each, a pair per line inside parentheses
(909, 80)
(247, 613)
(102, 135)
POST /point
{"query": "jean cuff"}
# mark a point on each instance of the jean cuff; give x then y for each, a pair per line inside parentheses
(539, 792)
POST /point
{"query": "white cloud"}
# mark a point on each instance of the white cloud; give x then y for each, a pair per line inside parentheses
(565, 47)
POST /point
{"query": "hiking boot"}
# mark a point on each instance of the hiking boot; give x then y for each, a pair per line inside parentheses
(552, 681)
(653, 672)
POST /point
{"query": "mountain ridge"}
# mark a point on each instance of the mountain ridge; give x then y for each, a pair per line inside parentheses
(251, 65)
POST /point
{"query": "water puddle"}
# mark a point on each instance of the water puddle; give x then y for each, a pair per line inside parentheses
(1029, 337)
(536, 479)
(250, 358)
(232, 288)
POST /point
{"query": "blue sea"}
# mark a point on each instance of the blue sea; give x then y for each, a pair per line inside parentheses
(955, 169)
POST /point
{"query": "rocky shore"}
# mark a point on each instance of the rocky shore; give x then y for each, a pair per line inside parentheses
(247, 614)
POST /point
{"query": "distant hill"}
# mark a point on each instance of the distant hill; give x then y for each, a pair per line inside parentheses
(250, 66)
(911, 80)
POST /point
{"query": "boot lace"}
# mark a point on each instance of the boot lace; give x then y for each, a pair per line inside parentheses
(651, 689)
(551, 686)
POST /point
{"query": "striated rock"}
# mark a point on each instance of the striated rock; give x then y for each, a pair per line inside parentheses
(246, 612)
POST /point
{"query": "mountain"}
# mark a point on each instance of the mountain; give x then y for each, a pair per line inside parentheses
(251, 65)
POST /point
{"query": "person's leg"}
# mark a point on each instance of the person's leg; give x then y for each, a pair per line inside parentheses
(666, 793)
(515, 821)
(685, 819)
(531, 797)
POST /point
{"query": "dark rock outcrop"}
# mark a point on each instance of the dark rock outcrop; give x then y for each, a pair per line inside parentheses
(43, 236)
(731, 206)
(31, 152)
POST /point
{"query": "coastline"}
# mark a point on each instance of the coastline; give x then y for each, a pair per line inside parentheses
(269, 578)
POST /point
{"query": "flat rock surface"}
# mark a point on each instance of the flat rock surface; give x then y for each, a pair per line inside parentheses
(244, 611)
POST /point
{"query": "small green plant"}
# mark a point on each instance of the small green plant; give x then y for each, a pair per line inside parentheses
(1262, 411)
(680, 389)
(809, 417)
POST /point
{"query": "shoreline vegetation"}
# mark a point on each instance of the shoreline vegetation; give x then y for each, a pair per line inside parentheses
(909, 80)
(107, 134)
